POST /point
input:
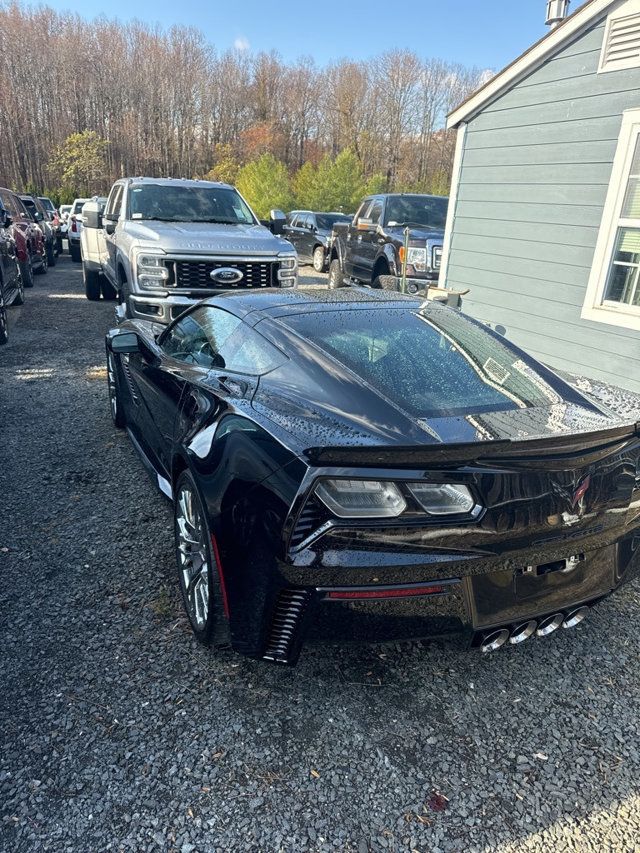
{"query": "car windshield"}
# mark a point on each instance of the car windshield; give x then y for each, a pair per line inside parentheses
(47, 204)
(326, 221)
(188, 204)
(431, 361)
(422, 211)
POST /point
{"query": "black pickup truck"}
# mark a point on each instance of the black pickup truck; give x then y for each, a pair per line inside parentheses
(370, 249)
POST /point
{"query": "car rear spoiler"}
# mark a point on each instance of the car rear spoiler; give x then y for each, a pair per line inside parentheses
(556, 452)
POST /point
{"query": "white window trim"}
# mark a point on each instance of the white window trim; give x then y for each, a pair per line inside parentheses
(624, 316)
(631, 7)
(453, 203)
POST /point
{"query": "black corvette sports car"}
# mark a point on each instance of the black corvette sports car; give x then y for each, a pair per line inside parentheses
(364, 465)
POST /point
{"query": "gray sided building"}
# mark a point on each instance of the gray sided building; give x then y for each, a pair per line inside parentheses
(544, 219)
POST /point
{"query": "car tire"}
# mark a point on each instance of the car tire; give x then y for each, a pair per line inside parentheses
(4, 332)
(125, 298)
(115, 398)
(109, 293)
(336, 278)
(198, 576)
(91, 284)
(26, 271)
(74, 251)
(387, 282)
(59, 246)
(19, 300)
(51, 255)
(319, 259)
(44, 266)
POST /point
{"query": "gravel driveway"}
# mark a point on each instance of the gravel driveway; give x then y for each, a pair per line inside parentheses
(118, 732)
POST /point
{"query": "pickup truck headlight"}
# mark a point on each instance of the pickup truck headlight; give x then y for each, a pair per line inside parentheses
(288, 272)
(150, 269)
(417, 258)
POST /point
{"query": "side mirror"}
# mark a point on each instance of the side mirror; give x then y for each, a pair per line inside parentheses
(92, 215)
(365, 225)
(7, 220)
(110, 227)
(277, 221)
(125, 342)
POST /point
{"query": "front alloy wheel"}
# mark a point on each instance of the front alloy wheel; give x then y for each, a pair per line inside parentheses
(115, 404)
(319, 259)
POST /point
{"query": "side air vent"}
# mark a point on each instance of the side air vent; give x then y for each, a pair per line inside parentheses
(621, 48)
(132, 386)
(286, 620)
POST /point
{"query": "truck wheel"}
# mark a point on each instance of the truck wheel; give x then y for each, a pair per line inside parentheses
(27, 272)
(109, 293)
(74, 251)
(125, 298)
(319, 260)
(387, 282)
(51, 255)
(91, 284)
(19, 300)
(335, 275)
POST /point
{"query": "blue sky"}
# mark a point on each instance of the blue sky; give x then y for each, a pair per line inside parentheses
(485, 33)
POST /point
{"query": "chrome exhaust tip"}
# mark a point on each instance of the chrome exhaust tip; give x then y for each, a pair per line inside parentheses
(550, 625)
(575, 617)
(523, 632)
(494, 641)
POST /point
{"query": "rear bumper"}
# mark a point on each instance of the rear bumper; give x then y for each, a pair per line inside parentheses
(473, 604)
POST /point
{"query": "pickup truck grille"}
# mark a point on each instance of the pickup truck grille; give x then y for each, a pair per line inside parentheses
(196, 274)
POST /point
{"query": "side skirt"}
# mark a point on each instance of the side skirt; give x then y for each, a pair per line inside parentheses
(161, 482)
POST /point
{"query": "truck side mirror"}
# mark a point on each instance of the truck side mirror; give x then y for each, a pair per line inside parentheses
(366, 225)
(277, 221)
(92, 215)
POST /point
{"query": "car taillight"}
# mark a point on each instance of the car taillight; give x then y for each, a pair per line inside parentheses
(74, 227)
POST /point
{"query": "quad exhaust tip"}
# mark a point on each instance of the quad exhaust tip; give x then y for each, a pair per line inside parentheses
(575, 617)
(496, 639)
(523, 632)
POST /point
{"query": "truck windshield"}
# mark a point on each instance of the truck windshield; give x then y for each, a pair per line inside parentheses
(188, 204)
(420, 211)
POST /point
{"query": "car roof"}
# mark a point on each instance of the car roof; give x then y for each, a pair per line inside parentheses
(171, 182)
(276, 302)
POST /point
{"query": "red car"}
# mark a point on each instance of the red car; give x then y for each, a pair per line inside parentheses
(29, 239)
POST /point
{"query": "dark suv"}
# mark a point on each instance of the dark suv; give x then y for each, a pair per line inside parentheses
(370, 249)
(11, 289)
(310, 234)
(29, 238)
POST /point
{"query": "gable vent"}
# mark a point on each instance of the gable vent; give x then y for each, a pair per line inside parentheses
(621, 47)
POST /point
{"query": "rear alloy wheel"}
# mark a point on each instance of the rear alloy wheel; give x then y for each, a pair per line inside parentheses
(115, 402)
(27, 272)
(91, 284)
(335, 275)
(319, 261)
(197, 570)
(51, 255)
(4, 333)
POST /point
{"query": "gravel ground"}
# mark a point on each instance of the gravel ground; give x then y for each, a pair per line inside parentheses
(120, 733)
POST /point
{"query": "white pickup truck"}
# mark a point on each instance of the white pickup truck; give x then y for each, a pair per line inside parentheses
(162, 244)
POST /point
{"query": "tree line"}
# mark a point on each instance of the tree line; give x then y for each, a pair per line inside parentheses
(85, 102)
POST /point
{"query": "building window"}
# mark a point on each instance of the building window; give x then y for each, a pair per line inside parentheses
(613, 294)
